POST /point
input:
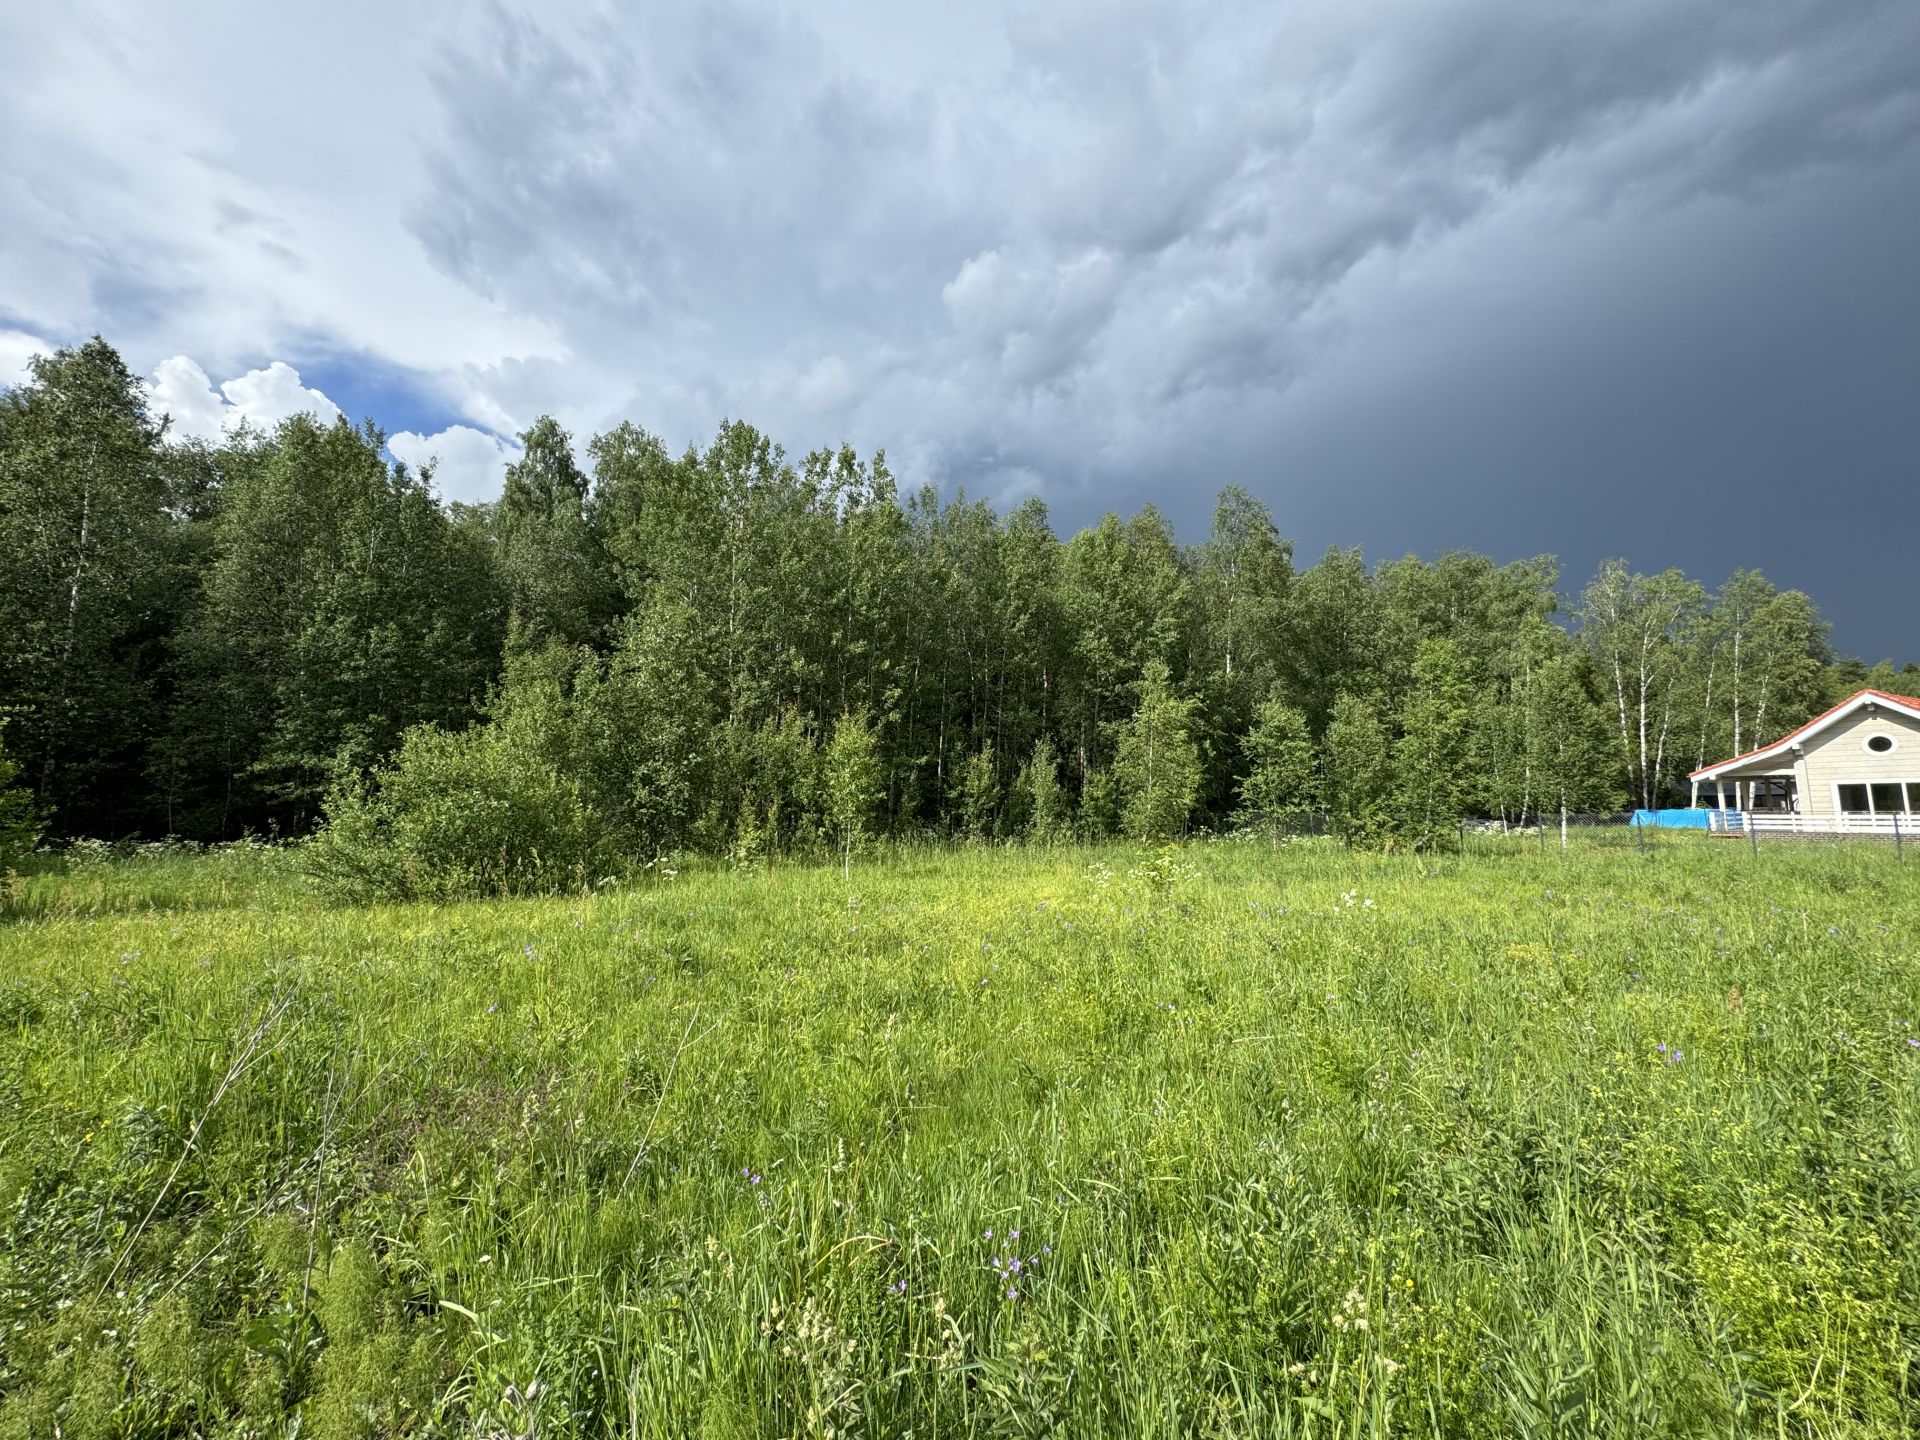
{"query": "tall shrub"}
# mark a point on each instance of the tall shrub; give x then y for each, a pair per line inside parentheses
(455, 815)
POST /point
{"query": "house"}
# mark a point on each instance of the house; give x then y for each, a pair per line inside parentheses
(1857, 767)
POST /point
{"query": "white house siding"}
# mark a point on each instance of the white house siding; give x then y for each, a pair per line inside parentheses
(1839, 755)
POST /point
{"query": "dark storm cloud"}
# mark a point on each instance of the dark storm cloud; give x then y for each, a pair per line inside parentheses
(1126, 229)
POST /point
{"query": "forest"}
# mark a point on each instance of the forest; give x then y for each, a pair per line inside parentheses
(736, 652)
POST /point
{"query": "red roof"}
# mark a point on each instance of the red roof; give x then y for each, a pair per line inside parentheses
(1907, 700)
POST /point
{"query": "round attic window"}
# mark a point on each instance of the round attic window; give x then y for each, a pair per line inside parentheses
(1880, 744)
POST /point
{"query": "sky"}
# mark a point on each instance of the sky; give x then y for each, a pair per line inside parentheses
(1631, 278)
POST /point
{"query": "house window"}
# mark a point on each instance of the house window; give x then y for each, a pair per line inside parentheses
(1774, 794)
(1880, 744)
(1882, 797)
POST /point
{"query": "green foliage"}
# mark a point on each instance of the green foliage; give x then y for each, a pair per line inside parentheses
(977, 797)
(1525, 1143)
(1239, 631)
(1357, 765)
(378, 1375)
(1284, 779)
(20, 820)
(1570, 745)
(1432, 781)
(201, 640)
(474, 812)
(84, 577)
(850, 781)
(559, 578)
(344, 607)
(1049, 817)
(1156, 763)
(1099, 806)
(1122, 598)
(632, 730)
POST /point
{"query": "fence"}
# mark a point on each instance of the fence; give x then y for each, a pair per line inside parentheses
(1651, 828)
(1639, 829)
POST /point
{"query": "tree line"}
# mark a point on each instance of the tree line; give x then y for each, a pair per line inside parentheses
(737, 651)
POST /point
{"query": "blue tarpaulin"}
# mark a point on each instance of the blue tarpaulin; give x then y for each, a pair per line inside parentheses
(1673, 819)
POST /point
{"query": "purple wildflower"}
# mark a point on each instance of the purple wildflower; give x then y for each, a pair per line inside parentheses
(1012, 1294)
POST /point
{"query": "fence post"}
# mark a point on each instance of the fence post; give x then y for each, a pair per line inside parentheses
(1639, 833)
(1896, 837)
(1753, 836)
(1463, 838)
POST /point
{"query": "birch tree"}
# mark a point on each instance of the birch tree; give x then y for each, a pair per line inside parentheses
(1636, 627)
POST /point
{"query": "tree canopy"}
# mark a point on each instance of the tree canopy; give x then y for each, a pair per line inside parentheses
(735, 650)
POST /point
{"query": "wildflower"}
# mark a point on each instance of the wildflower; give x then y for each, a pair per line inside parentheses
(1013, 1234)
(1913, 1044)
(1012, 1294)
(988, 1235)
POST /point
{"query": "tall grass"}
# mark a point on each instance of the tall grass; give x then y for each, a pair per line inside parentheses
(1284, 1141)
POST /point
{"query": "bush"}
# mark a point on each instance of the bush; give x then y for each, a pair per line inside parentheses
(20, 821)
(457, 815)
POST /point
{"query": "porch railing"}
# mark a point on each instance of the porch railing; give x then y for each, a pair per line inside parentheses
(1889, 825)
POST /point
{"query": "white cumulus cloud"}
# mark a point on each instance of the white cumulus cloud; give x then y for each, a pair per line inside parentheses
(468, 464)
(182, 390)
(17, 347)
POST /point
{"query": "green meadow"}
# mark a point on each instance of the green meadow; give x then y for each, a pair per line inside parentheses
(1221, 1140)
